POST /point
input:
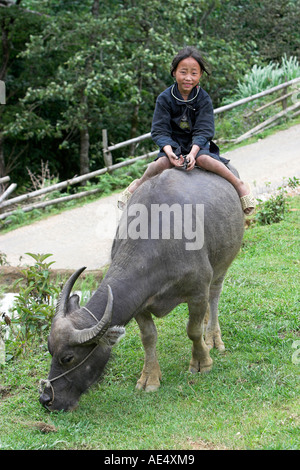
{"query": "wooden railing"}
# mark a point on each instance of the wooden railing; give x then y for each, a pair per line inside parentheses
(107, 149)
(284, 86)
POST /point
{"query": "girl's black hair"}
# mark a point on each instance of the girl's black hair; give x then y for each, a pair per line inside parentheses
(186, 52)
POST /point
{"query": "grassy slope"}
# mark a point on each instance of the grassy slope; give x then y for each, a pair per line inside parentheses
(250, 400)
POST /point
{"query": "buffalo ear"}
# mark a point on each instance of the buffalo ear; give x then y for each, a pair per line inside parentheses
(73, 303)
(115, 334)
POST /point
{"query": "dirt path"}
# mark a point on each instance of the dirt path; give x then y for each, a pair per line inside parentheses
(83, 236)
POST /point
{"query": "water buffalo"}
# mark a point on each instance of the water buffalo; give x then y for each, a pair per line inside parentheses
(154, 268)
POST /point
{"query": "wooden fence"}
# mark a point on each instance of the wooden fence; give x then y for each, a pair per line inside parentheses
(109, 167)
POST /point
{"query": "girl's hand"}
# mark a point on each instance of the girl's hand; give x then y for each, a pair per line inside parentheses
(176, 161)
(173, 159)
(191, 159)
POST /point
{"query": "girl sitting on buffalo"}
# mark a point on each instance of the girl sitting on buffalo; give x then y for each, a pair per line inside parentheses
(183, 128)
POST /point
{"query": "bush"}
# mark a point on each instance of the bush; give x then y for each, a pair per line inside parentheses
(34, 306)
(262, 78)
(273, 210)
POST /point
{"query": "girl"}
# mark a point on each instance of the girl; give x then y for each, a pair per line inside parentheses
(183, 125)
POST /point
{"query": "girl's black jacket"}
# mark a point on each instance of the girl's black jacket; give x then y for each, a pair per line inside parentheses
(182, 124)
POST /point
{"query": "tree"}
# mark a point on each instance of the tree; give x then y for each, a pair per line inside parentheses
(16, 25)
(78, 67)
(267, 29)
(106, 59)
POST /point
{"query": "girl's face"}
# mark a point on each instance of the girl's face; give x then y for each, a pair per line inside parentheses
(187, 75)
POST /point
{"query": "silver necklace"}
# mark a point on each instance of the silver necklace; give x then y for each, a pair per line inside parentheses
(184, 101)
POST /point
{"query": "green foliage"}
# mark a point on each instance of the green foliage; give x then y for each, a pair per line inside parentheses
(273, 210)
(3, 260)
(293, 182)
(33, 307)
(76, 68)
(119, 179)
(261, 78)
(265, 30)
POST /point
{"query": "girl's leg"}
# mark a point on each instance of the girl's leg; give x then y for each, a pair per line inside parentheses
(156, 167)
(215, 166)
(153, 169)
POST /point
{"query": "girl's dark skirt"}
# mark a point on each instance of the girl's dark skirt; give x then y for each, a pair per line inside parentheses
(212, 151)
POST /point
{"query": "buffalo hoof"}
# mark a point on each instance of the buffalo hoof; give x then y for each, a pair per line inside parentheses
(150, 378)
(147, 387)
(203, 368)
(213, 340)
(149, 382)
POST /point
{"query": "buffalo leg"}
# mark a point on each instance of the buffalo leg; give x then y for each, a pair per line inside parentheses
(201, 360)
(213, 331)
(151, 374)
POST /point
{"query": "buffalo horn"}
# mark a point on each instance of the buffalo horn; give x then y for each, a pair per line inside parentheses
(62, 304)
(95, 333)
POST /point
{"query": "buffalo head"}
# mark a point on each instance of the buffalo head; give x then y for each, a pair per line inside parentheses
(80, 347)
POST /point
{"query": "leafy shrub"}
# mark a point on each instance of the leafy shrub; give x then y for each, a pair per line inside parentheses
(34, 303)
(272, 211)
(293, 182)
(3, 260)
(262, 78)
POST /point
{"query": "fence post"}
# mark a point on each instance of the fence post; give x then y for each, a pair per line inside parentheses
(4, 179)
(284, 101)
(106, 153)
(7, 192)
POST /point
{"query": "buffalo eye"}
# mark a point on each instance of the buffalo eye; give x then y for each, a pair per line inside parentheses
(67, 359)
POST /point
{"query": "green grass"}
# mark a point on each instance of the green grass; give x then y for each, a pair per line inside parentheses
(250, 400)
